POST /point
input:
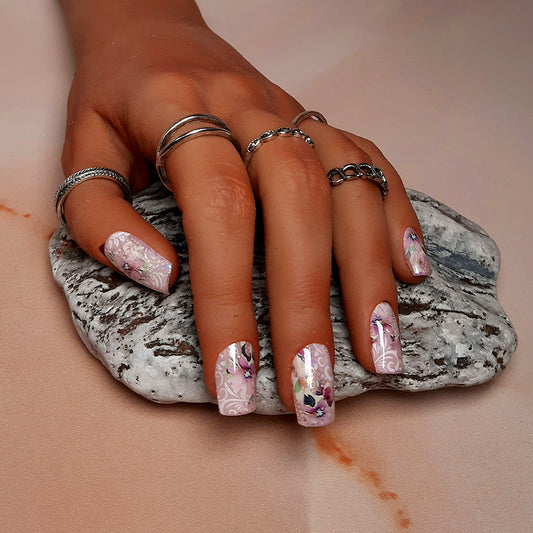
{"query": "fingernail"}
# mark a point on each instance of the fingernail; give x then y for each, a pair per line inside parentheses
(235, 380)
(386, 346)
(416, 255)
(138, 261)
(312, 386)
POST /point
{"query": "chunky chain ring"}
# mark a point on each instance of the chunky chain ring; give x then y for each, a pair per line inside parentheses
(365, 171)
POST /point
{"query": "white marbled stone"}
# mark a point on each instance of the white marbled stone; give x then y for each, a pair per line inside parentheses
(454, 331)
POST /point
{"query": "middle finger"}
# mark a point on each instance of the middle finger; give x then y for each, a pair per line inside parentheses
(289, 181)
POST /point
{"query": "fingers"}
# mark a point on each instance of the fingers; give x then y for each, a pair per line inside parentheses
(367, 242)
(296, 204)
(101, 221)
(302, 217)
(214, 194)
(362, 253)
(409, 259)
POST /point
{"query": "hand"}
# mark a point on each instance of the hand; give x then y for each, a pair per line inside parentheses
(142, 68)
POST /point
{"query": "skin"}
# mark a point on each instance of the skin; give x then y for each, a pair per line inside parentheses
(163, 64)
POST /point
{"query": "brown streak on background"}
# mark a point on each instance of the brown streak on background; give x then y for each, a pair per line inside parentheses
(333, 447)
(38, 225)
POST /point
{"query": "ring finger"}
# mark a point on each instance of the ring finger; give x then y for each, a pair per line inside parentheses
(363, 253)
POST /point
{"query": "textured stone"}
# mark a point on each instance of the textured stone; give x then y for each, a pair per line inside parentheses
(454, 331)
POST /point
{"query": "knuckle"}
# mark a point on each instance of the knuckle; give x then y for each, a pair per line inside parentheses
(308, 294)
(225, 200)
(369, 147)
(350, 152)
(243, 87)
(302, 179)
(166, 87)
(223, 292)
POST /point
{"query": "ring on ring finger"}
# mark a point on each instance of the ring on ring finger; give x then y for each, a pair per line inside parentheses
(365, 171)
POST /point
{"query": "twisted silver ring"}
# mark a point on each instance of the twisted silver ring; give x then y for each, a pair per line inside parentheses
(364, 171)
(83, 175)
(298, 119)
(270, 135)
(167, 144)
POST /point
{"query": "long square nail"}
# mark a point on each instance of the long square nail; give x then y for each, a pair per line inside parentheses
(415, 254)
(386, 345)
(136, 260)
(312, 383)
(235, 379)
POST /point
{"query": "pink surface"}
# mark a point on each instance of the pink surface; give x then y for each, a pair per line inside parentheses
(444, 88)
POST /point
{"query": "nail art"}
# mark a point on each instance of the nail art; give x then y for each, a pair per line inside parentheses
(416, 255)
(386, 346)
(138, 261)
(312, 386)
(235, 380)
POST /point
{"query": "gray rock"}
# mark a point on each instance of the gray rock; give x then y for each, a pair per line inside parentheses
(454, 331)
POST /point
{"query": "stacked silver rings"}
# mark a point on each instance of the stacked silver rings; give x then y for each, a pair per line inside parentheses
(88, 174)
(167, 143)
(364, 171)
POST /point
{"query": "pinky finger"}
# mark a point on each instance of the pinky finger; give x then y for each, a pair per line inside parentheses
(409, 259)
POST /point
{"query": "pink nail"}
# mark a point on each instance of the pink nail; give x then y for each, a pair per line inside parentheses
(386, 346)
(416, 255)
(138, 261)
(312, 385)
(235, 380)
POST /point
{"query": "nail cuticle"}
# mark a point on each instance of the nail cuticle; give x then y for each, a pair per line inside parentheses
(415, 253)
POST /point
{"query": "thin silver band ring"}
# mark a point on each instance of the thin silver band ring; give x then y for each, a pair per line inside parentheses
(298, 119)
(210, 119)
(84, 175)
(199, 132)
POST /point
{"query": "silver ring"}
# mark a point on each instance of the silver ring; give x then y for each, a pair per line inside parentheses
(364, 171)
(166, 145)
(270, 135)
(88, 174)
(210, 119)
(319, 117)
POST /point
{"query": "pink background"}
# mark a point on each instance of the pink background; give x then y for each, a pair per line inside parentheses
(445, 89)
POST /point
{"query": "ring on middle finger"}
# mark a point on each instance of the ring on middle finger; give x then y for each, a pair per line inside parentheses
(270, 135)
(365, 171)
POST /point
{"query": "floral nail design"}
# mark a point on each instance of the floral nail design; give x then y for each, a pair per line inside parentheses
(312, 385)
(138, 261)
(386, 346)
(235, 380)
(416, 255)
